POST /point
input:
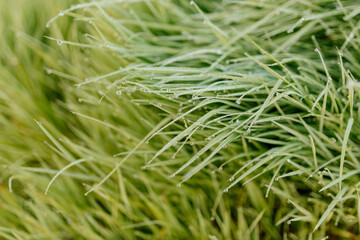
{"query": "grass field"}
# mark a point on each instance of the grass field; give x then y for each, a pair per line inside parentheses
(178, 119)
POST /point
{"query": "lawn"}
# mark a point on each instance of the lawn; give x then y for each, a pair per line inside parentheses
(178, 119)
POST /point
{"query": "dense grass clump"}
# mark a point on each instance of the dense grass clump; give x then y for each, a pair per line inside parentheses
(177, 119)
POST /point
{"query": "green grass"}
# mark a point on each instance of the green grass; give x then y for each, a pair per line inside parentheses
(177, 119)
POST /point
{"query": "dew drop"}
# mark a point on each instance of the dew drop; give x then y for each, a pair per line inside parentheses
(118, 92)
(59, 42)
(289, 222)
(231, 179)
(226, 190)
(61, 13)
(192, 2)
(47, 25)
(178, 185)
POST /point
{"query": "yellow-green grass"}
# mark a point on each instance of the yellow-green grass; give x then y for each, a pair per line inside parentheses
(160, 119)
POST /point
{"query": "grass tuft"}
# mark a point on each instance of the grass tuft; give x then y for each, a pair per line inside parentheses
(174, 119)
